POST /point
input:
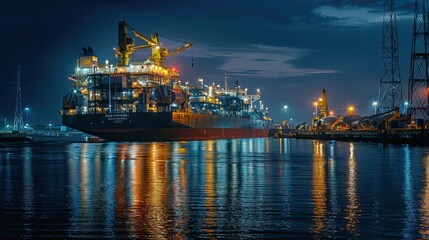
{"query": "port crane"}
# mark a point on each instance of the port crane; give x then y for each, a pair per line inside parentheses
(126, 46)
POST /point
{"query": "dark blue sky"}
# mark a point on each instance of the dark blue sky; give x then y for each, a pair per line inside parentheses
(290, 49)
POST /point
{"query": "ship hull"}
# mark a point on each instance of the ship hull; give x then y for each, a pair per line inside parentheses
(166, 126)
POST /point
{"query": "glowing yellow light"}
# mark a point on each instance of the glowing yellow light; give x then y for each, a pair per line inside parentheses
(315, 103)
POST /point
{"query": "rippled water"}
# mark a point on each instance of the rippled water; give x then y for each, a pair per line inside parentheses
(242, 188)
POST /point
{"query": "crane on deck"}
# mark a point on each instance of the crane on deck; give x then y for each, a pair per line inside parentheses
(126, 46)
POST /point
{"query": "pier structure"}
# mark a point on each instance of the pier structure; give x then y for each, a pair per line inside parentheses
(393, 136)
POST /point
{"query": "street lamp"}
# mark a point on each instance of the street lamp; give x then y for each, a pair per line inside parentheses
(406, 105)
(315, 107)
(50, 127)
(26, 113)
(202, 83)
(375, 107)
(285, 108)
(351, 109)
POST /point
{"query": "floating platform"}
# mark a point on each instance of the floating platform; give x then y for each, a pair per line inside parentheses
(396, 136)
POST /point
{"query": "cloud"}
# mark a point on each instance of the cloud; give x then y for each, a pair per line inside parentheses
(262, 61)
(350, 16)
(356, 16)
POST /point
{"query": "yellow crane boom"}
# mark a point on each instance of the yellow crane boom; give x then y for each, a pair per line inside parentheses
(126, 46)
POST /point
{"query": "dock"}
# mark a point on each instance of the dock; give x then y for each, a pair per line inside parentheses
(394, 136)
(14, 136)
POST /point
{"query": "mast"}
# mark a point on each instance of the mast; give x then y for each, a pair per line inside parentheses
(390, 91)
(226, 81)
(418, 85)
(18, 122)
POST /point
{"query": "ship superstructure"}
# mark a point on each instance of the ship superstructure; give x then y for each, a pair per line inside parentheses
(146, 101)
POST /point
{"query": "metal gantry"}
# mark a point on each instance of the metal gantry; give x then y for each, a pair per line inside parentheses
(18, 122)
(419, 76)
(390, 91)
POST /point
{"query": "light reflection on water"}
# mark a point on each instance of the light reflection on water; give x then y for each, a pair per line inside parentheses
(246, 188)
(424, 205)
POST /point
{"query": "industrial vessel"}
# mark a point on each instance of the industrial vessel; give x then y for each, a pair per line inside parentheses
(145, 101)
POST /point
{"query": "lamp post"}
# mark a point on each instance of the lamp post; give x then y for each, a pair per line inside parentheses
(285, 109)
(351, 110)
(406, 105)
(375, 107)
(315, 108)
(202, 83)
(50, 127)
(26, 114)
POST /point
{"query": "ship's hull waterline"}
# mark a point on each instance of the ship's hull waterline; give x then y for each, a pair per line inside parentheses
(166, 126)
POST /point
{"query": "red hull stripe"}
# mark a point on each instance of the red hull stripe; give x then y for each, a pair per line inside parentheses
(177, 133)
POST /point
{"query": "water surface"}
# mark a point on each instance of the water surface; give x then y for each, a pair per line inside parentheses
(240, 188)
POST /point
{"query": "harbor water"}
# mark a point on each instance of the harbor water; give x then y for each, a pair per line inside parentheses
(239, 188)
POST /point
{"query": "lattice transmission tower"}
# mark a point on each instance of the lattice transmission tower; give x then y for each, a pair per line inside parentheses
(419, 76)
(18, 122)
(390, 91)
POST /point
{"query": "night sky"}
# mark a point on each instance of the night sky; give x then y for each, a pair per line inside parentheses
(290, 49)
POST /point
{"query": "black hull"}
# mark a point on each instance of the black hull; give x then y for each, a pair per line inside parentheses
(166, 126)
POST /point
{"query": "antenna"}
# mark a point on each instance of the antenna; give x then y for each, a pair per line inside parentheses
(419, 80)
(390, 91)
(18, 122)
(225, 76)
